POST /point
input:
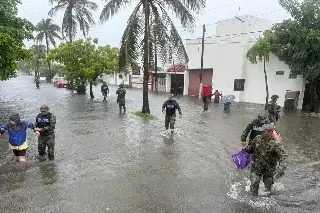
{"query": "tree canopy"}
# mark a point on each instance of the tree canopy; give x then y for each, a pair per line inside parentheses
(150, 24)
(296, 42)
(76, 13)
(13, 30)
(84, 60)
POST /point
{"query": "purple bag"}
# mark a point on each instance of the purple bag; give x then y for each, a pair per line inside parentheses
(241, 159)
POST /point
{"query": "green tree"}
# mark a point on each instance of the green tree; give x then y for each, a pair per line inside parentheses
(261, 51)
(38, 58)
(297, 43)
(13, 30)
(76, 13)
(137, 35)
(49, 32)
(85, 61)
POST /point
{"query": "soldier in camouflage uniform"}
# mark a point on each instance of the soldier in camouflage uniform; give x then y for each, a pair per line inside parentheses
(121, 100)
(45, 124)
(273, 109)
(266, 153)
(254, 128)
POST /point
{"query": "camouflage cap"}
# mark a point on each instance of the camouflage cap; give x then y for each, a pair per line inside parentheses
(267, 127)
(44, 107)
(262, 118)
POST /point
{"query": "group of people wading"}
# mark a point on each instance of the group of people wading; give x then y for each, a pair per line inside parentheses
(268, 155)
(43, 127)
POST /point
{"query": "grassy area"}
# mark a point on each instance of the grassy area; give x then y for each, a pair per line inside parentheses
(144, 116)
(127, 86)
(312, 114)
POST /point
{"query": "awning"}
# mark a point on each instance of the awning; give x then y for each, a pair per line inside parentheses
(177, 68)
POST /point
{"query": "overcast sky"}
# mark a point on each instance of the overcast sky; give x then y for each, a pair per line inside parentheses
(111, 31)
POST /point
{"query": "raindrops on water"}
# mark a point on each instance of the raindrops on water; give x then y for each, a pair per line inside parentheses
(240, 191)
(168, 133)
(32, 152)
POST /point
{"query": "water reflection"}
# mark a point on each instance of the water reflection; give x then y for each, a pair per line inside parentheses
(48, 173)
(14, 176)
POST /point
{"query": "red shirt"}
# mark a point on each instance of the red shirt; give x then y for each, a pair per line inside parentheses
(217, 95)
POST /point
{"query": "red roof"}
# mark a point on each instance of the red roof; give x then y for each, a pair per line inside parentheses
(177, 68)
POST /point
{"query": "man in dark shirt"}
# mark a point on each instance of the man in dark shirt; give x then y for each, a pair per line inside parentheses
(45, 124)
(170, 107)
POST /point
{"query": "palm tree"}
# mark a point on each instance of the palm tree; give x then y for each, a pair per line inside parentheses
(48, 31)
(76, 12)
(38, 54)
(137, 35)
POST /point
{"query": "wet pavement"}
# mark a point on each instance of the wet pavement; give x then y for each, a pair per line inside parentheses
(107, 162)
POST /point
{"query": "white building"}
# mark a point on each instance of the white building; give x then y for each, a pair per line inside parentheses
(116, 78)
(228, 70)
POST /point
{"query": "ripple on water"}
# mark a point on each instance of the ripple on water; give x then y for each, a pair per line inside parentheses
(239, 191)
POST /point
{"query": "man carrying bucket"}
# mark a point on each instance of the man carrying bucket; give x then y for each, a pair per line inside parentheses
(268, 159)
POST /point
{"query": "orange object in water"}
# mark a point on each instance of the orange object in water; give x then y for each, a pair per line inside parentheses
(206, 90)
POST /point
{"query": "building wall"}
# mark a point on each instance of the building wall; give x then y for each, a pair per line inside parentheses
(250, 24)
(226, 55)
(255, 90)
(114, 79)
(194, 80)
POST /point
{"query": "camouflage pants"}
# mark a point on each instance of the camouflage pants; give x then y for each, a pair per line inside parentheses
(122, 104)
(273, 118)
(255, 180)
(44, 142)
(170, 120)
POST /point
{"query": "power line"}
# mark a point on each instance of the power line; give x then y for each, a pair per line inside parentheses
(231, 42)
(235, 34)
(226, 5)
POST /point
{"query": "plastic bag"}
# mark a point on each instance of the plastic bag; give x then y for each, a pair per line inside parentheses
(241, 159)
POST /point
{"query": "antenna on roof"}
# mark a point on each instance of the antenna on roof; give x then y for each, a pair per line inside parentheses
(238, 17)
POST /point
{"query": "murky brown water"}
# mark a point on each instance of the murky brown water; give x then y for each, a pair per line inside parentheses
(106, 162)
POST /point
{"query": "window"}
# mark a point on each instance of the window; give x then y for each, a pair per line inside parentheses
(239, 84)
(279, 72)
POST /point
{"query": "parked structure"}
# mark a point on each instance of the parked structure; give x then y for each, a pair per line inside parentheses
(228, 70)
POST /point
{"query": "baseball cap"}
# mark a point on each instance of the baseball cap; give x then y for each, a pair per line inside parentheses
(267, 127)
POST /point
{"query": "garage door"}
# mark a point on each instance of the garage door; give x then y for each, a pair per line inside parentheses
(194, 80)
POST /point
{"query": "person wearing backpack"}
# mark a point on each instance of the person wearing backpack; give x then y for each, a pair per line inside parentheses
(121, 100)
(45, 124)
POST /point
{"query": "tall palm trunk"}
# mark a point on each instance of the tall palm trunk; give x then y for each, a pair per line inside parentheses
(48, 61)
(91, 92)
(155, 64)
(266, 80)
(145, 104)
(70, 25)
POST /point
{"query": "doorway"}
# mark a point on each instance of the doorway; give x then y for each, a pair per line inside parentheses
(177, 84)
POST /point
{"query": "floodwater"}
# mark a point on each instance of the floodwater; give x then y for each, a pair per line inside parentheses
(107, 162)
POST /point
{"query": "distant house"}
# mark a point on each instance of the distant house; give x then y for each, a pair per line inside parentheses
(228, 70)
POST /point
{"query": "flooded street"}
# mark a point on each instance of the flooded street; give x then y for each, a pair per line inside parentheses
(107, 162)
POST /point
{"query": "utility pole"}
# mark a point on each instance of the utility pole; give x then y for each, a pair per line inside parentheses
(202, 51)
(175, 79)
